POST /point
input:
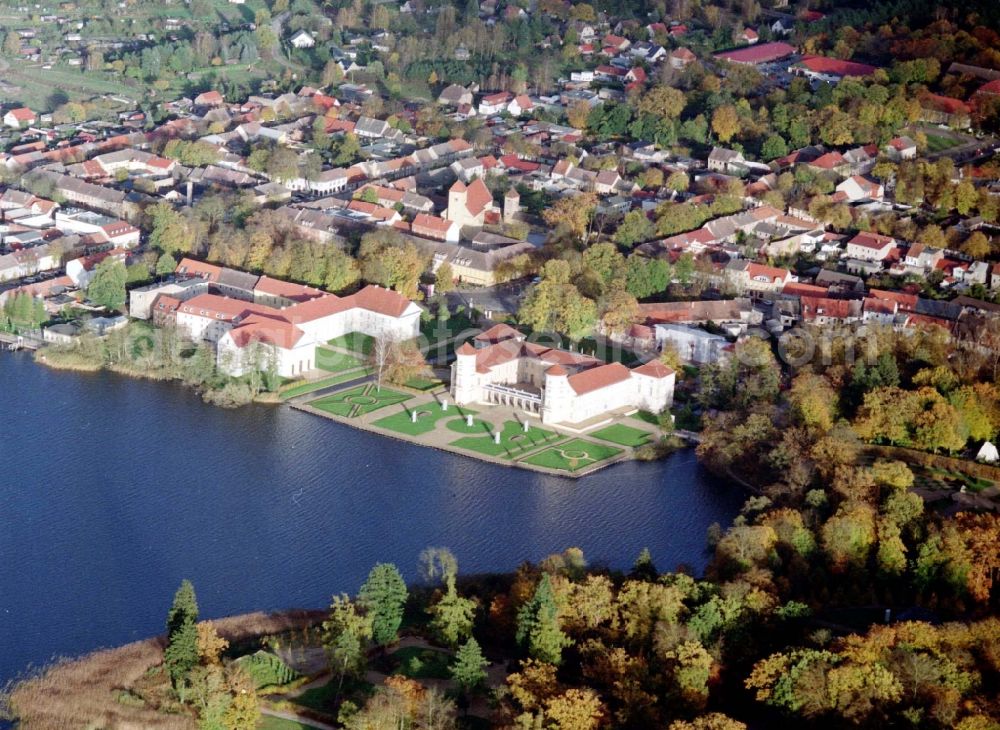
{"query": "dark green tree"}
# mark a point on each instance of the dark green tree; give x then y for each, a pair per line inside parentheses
(383, 596)
(469, 669)
(538, 625)
(181, 654)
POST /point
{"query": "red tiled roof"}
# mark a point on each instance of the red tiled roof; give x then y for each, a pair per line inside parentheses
(383, 301)
(286, 289)
(498, 333)
(213, 305)
(466, 349)
(191, 267)
(906, 302)
(272, 330)
(828, 161)
(22, 114)
(867, 239)
(479, 197)
(653, 369)
(557, 371)
(797, 289)
(826, 65)
(763, 53)
(598, 377)
(431, 224)
(684, 54)
(813, 307)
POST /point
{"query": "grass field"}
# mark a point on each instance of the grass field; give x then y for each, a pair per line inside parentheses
(358, 401)
(513, 441)
(938, 142)
(355, 342)
(646, 417)
(268, 722)
(572, 455)
(623, 435)
(478, 427)
(313, 385)
(428, 416)
(418, 662)
(335, 361)
(419, 383)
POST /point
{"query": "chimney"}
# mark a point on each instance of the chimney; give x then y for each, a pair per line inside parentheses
(190, 192)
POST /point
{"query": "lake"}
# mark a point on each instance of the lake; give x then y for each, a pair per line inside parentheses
(112, 490)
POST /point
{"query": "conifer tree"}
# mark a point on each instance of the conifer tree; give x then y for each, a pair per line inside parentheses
(538, 625)
(181, 654)
(469, 669)
(383, 596)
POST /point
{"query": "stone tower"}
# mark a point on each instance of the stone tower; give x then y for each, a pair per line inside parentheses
(511, 205)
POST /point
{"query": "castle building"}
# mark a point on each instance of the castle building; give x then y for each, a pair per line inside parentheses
(557, 385)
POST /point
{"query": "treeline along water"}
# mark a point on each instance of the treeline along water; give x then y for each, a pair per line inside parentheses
(112, 490)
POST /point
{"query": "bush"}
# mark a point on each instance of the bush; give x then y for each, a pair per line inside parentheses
(267, 670)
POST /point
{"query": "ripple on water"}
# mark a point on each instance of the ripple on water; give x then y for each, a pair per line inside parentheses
(112, 490)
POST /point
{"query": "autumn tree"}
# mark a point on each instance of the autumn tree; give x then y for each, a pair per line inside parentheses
(345, 636)
(725, 122)
(570, 216)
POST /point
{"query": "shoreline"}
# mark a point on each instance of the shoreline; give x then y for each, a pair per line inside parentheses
(301, 403)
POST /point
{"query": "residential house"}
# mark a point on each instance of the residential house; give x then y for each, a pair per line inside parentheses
(455, 95)
(494, 103)
(681, 58)
(20, 118)
(857, 188)
(901, 148)
(439, 229)
(868, 246)
(302, 39)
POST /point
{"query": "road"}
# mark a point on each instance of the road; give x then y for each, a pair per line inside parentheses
(278, 27)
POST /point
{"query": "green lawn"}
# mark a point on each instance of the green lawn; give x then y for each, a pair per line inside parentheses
(309, 387)
(355, 342)
(360, 400)
(623, 435)
(419, 383)
(269, 722)
(478, 427)
(572, 455)
(335, 361)
(428, 416)
(418, 662)
(513, 441)
(647, 417)
(322, 698)
(938, 142)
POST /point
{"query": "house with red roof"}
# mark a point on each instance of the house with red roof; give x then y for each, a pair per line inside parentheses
(560, 386)
(749, 36)
(832, 162)
(520, 104)
(857, 188)
(681, 57)
(209, 98)
(20, 118)
(494, 103)
(868, 246)
(748, 276)
(433, 227)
